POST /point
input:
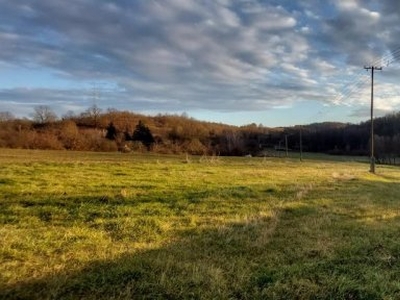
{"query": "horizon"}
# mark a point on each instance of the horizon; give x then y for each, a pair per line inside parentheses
(9, 116)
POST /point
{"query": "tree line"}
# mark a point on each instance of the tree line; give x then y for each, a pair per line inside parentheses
(113, 130)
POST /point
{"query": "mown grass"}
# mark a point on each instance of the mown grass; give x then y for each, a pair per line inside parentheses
(127, 226)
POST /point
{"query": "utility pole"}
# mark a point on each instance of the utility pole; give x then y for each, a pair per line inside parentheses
(301, 144)
(286, 146)
(372, 158)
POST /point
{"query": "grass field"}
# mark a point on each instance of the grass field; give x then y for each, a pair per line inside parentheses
(127, 226)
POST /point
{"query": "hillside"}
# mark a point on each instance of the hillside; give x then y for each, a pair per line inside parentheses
(114, 130)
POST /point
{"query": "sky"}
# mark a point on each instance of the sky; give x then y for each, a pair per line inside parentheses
(270, 62)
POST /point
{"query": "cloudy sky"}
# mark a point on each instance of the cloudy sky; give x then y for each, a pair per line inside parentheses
(275, 62)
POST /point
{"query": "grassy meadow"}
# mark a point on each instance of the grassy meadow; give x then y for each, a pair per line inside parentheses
(77, 225)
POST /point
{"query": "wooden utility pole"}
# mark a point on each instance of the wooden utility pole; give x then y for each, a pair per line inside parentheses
(286, 146)
(372, 156)
(301, 145)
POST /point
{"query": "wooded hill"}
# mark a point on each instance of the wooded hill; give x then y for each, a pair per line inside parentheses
(114, 130)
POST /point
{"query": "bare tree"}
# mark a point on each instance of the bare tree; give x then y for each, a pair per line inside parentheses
(44, 114)
(94, 113)
(69, 115)
(6, 116)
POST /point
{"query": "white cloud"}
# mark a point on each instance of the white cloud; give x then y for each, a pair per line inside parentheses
(222, 55)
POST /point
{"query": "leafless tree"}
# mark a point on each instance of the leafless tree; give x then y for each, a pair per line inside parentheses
(94, 113)
(69, 115)
(6, 116)
(44, 114)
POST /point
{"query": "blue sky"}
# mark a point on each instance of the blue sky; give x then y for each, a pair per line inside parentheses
(277, 63)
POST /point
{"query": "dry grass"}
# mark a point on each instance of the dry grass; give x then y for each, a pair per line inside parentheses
(126, 226)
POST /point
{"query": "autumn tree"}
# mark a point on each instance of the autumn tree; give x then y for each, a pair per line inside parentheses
(69, 135)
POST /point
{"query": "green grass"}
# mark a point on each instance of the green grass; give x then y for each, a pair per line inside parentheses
(127, 226)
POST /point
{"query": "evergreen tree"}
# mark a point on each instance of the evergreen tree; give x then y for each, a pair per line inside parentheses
(127, 136)
(111, 131)
(143, 134)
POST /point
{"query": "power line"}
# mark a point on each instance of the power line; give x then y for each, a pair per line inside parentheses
(358, 80)
(388, 58)
(351, 89)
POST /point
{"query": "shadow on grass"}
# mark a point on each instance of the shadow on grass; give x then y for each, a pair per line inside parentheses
(62, 209)
(206, 263)
(278, 257)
